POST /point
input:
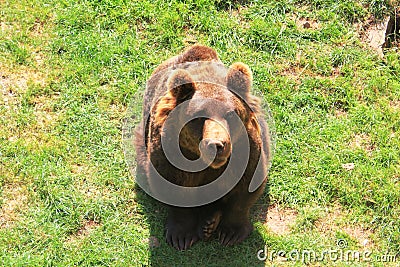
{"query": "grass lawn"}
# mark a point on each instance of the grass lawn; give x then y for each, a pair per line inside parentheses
(70, 69)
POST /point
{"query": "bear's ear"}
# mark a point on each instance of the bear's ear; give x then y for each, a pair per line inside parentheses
(239, 79)
(181, 85)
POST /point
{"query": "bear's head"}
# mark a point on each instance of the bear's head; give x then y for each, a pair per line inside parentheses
(221, 112)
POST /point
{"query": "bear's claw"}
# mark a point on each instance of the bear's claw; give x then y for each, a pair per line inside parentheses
(233, 234)
(181, 241)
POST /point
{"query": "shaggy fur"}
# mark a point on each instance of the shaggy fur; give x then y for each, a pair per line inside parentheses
(173, 82)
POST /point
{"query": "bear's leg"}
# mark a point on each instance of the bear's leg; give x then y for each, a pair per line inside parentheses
(235, 225)
(182, 227)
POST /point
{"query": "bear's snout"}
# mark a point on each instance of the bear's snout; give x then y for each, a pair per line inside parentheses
(216, 151)
(215, 145)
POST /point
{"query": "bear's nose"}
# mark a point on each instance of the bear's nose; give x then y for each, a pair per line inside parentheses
(216, 145)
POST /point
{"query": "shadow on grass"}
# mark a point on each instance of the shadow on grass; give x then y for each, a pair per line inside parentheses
(203, 253)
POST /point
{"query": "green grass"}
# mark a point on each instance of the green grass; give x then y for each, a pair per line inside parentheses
(69, 70)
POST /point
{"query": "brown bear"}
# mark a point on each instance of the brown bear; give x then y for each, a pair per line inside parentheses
(202, 113)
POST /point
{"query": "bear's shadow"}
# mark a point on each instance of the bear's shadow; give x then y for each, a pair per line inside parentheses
(203, 253)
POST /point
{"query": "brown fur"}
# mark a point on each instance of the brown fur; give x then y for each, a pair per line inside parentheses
(182, 78)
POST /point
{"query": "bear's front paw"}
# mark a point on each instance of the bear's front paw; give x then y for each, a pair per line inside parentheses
(180, 235)
(231, 234)
(210, 225)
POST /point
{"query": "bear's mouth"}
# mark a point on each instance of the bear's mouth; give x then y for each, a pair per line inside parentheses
(218, 163)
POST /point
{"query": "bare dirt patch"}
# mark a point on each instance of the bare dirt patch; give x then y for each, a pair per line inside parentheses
(363, 141)
(306, 23)
(380, 34)
(374, 34)
(14, 200)
(84, 177)
(43, 111)
(278, 220)
(333, 221)
(114, 110)
(6, 27)
(77, 168)
(86, 229)
(340, 113)
(37, 30)
(15, 82)
(395, 104)
(296, 73)
(92, 192)
(299, 69)
(348, 166)
(84, 181)
(16, 78)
